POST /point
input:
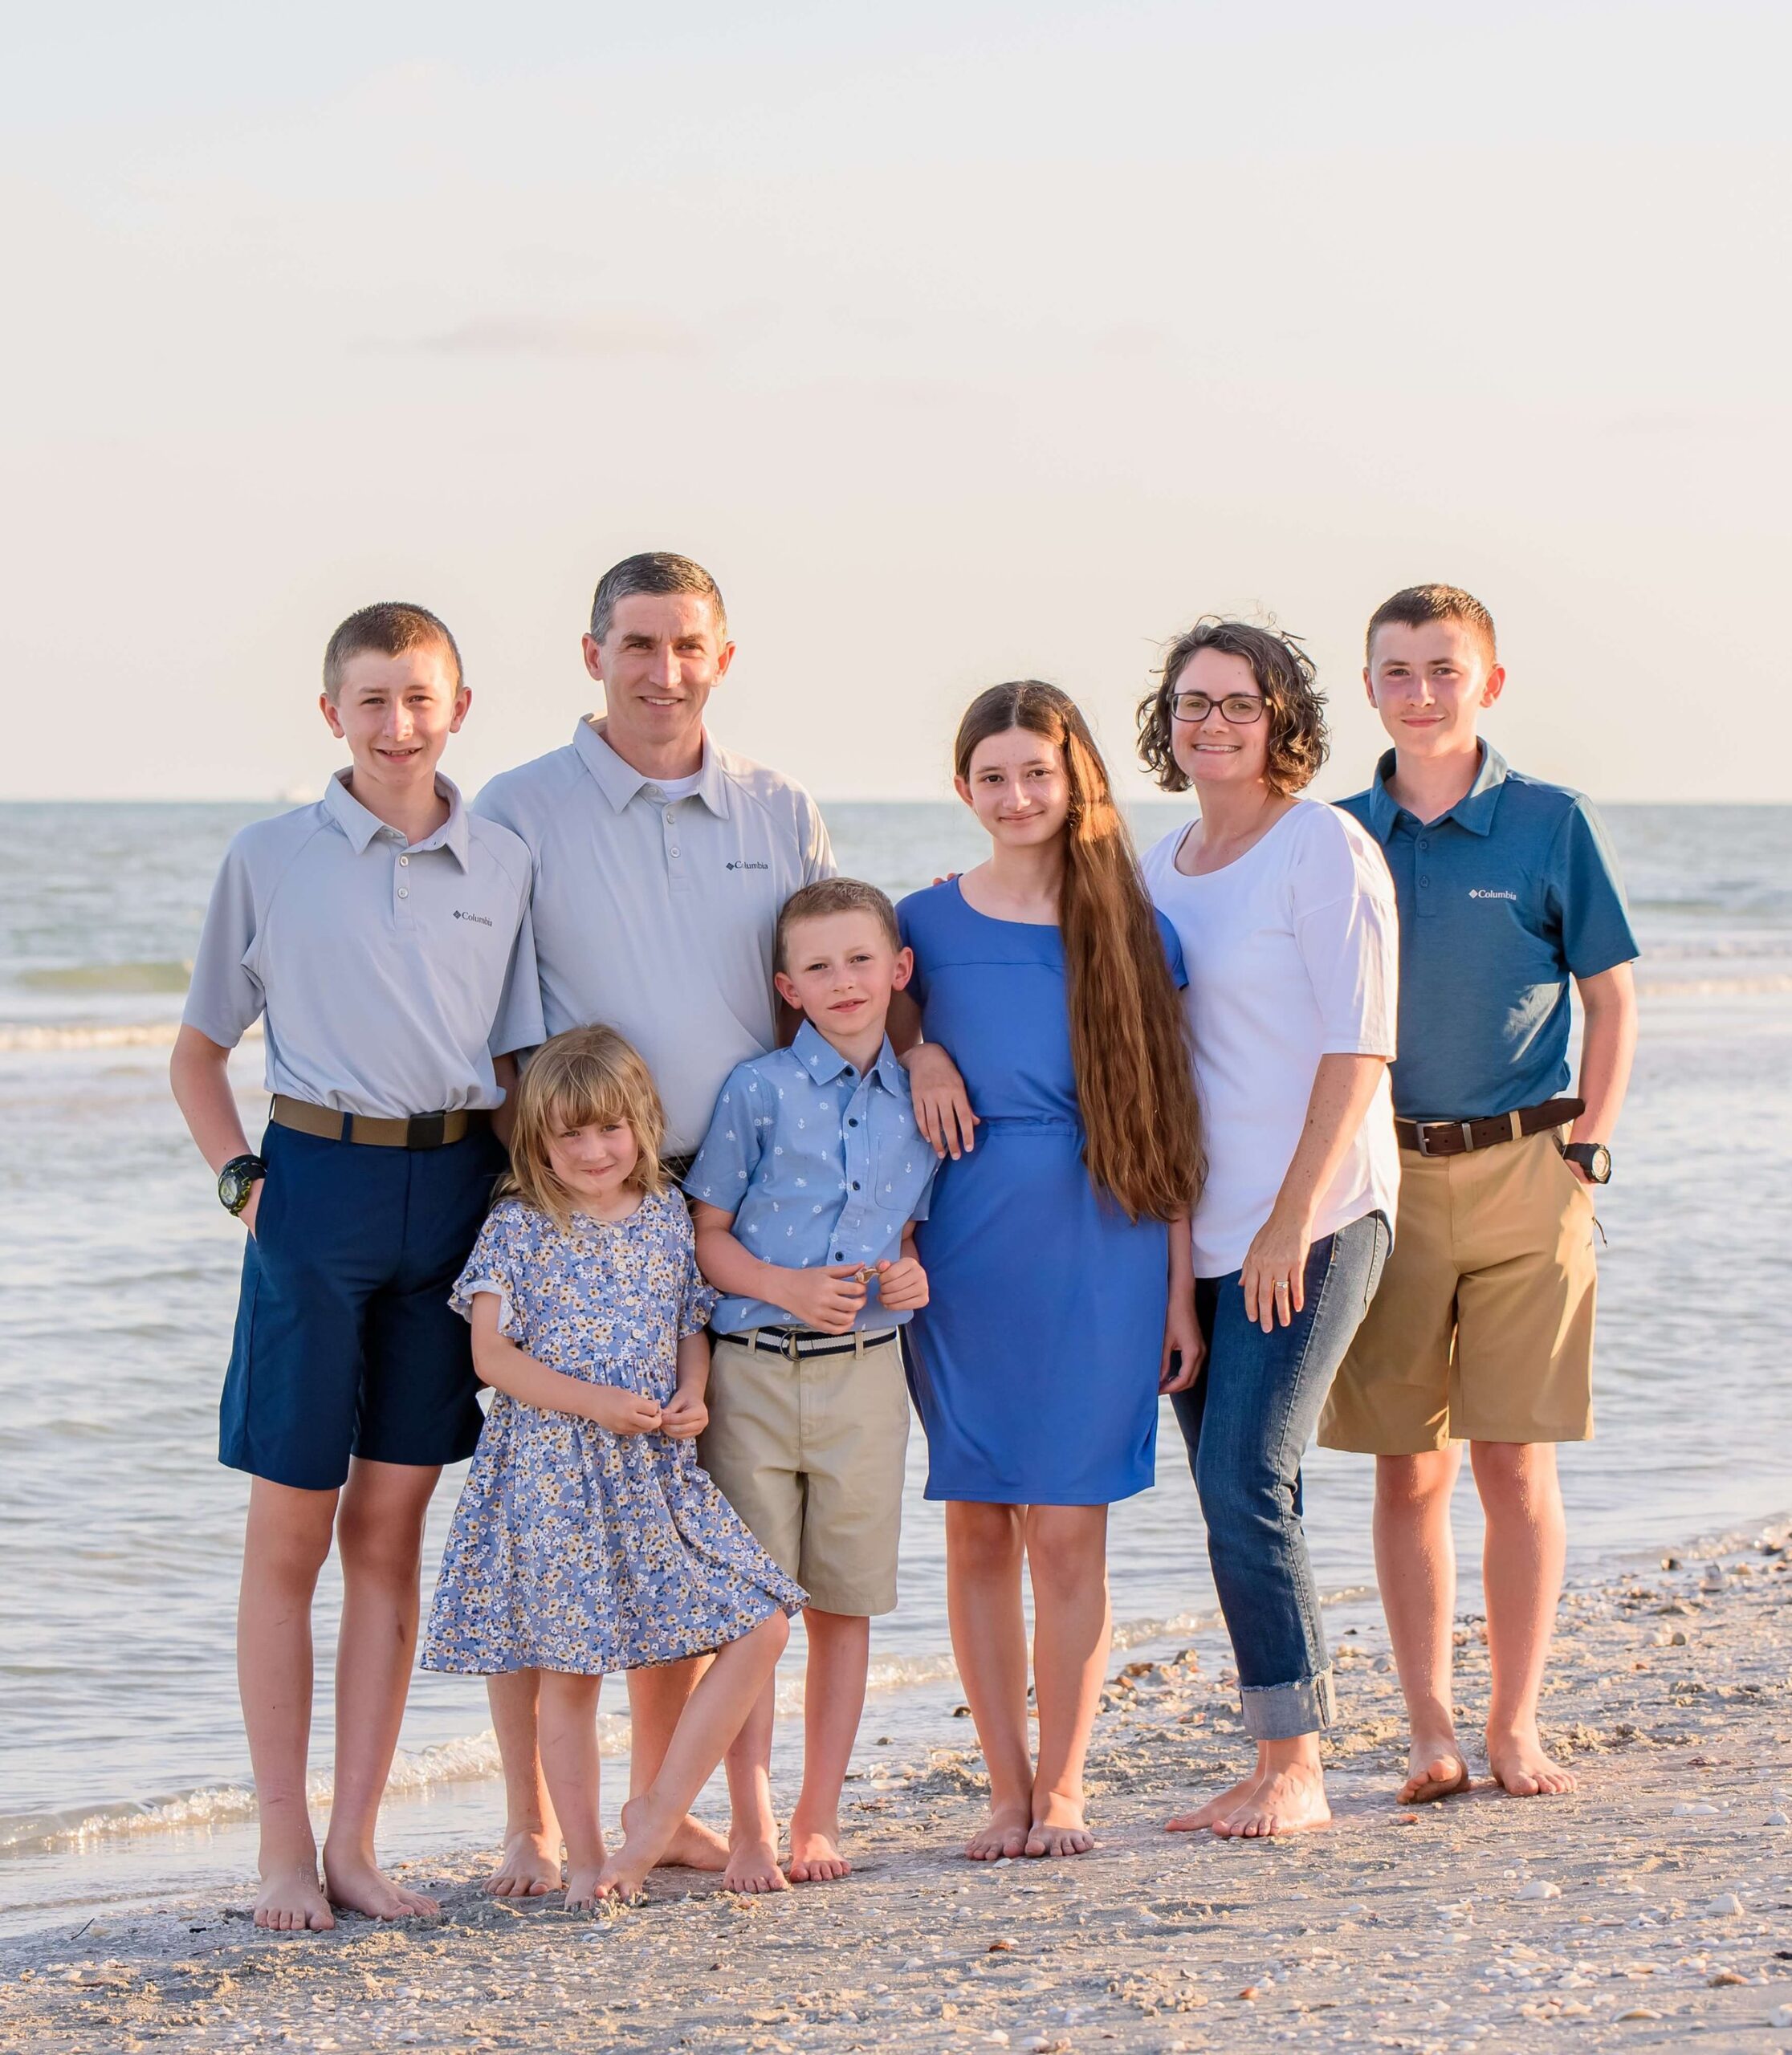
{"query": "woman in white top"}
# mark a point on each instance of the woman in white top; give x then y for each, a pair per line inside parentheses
(1286, 916)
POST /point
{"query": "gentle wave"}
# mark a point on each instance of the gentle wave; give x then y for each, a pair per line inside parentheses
(17, 1037)
(158, 976)
(472, 1757)
(1712, 987)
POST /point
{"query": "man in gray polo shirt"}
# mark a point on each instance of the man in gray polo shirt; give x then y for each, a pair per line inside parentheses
(660, 862)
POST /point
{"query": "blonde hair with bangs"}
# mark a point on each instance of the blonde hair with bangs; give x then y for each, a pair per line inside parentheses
(586, 1077)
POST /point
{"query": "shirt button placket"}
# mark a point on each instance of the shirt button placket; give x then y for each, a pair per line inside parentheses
(400, 891)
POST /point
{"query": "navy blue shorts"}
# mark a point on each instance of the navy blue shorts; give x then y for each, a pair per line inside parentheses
(345, 1344)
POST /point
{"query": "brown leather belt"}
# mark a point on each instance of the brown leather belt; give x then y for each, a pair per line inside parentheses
(421, 1131)
(1457, 1137)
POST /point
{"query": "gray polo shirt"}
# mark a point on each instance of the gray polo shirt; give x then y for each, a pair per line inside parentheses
(657, 916)
(390, 973)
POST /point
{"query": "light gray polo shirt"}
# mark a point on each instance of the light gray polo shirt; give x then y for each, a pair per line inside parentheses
(390, 973)
(657, 916)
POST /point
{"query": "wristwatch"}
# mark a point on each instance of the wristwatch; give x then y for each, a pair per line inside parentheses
(1594, 1158)
(235, 1181)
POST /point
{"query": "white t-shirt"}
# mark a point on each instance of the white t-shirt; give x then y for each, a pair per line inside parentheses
(1292, 953)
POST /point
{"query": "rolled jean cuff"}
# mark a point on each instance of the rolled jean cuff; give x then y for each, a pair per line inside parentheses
(1280, 1712)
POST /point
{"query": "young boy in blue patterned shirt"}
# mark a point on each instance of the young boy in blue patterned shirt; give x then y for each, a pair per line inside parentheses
(805, 1193)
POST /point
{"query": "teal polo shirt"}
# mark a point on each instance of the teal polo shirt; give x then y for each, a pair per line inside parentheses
(1503, 900)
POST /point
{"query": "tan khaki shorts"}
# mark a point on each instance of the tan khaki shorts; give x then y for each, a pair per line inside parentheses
(810, 1455)
(1482, 1329)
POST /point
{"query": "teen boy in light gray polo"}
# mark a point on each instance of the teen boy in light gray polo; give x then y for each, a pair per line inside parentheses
(660, 862)
(382, 937)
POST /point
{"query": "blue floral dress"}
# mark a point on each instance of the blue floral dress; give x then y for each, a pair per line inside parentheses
(573, 1549)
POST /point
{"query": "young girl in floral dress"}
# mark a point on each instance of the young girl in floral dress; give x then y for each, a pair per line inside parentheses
(588, 1538)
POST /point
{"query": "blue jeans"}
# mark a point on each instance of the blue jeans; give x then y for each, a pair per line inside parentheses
(1246, 1421)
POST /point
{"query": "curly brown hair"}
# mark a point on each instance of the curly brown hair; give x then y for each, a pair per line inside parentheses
(1284, 674)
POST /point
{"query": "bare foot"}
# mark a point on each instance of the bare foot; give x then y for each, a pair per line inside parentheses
(529, 1867)
(584, 1886)
(1434, 1770)
(1003, 1833)
(1288, 1801)
(815, 1856)
(646, 1835)
(292, 1901)
(694, 1846)
(356, 1885)
(752, 1867)
(1215, 1809)
(1058, 1827)
(1520, 1766)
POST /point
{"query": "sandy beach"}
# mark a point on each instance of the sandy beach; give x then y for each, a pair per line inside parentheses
(1653, 1904)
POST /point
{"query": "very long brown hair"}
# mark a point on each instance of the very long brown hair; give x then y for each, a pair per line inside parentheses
(1129, 1040)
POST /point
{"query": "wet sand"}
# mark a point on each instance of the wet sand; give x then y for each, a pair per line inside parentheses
(1653, 1905)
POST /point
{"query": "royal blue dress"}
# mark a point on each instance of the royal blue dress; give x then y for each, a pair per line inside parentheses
(1034, 1364)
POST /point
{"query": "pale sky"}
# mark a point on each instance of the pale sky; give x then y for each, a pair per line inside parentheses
(960, 341)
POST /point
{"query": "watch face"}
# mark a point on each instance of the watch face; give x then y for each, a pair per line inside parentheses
(1600, 1167)
(235, 1183)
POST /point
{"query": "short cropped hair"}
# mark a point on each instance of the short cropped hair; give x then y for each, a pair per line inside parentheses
(1285, 675)
(586, 1077)
(1418, 605)
(834, 895)
(655, 570)
(387, 629)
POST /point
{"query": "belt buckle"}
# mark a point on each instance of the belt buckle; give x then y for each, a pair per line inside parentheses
(425, 1130)
(1422, 1129)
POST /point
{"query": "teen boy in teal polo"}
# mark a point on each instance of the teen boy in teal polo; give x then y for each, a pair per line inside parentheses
(382, 935)
(1482, 1329)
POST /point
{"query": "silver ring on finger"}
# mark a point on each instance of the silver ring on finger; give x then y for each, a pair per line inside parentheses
(1281, 1283)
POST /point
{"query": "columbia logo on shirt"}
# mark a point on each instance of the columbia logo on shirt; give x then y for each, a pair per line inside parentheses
(1476, 892)
(480, 918)
(744, 863)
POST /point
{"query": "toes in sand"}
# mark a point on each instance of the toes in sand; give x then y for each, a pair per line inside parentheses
(356, 1885)
(529, 1867)
(1523, 1768)
(1434, 1770)
(1215, 1809)
(815, 1856)
(1284, 1801)
(292, 1901)
(1058, 1826)
(752, 1867)
(1003, 1833)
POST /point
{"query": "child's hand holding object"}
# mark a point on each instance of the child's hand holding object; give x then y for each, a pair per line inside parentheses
(902, 1286)
(622, 1412)
(828, 1300)
(684, 1416)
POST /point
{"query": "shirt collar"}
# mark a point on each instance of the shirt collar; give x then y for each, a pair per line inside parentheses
(619, 782)
(825, 1063)
(1473, 811)
(361, 825)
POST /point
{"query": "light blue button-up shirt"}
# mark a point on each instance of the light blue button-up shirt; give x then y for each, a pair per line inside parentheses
(819, 1163)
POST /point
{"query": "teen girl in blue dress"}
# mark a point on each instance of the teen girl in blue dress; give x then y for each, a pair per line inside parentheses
(1061, 1301)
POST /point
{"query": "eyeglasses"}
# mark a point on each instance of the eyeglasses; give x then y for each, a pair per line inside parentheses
(1240, 708)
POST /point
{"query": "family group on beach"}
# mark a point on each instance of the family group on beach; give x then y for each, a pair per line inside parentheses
(607, 1093)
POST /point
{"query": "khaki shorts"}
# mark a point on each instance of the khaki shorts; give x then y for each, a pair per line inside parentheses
(810, 1454)
(1482, 1329)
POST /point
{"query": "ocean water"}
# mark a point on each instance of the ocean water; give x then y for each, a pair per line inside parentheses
(122, 1775)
